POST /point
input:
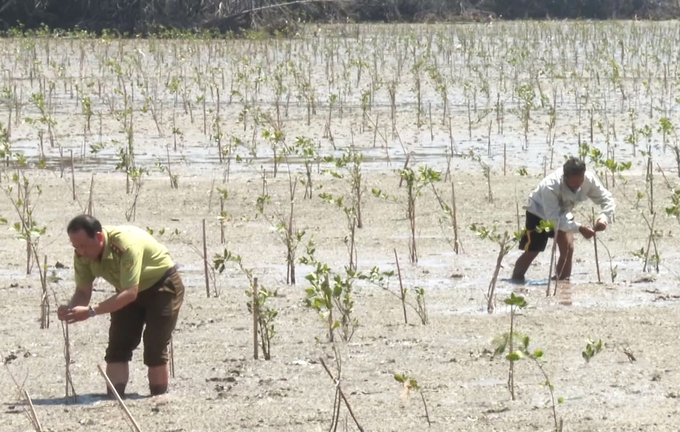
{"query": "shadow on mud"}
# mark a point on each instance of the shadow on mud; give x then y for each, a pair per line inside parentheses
(84, 399)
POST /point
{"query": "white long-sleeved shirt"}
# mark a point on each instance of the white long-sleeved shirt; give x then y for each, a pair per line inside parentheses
(553, 200)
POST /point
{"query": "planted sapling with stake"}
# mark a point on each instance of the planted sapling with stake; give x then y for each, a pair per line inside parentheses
(284, 224)
(415, 182)
(506, 342)
(351, 162)
(306, 149)
(331, 295)
(27, 229)
(486, 171)
(266, 315)
(381, 279)
(504, 242)
(411, 384)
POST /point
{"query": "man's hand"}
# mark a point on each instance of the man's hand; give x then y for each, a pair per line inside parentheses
(586, 232)
(62, 311)
(600, 225)
(78, 313)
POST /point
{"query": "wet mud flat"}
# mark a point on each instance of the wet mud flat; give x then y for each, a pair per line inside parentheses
(217, 384)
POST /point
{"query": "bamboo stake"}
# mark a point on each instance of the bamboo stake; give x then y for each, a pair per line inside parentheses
(597, 260)
(342, 394)
(255, 319)
(401, 287)
(90, 200)
(172, 358)
(205, 263)
(73, 177)
(120, 401)
(34, 416)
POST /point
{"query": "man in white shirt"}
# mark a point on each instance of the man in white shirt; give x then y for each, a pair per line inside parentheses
(553, 200)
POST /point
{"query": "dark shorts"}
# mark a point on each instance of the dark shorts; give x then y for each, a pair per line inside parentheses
(156, 307)
(531, 240)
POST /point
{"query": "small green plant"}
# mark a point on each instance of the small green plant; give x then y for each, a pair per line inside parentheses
(266, 315)
(284, 224)
(415, 182)
(137, 176)
(23, 194)
(330, 295)
(504, 242)
(486, 171)
(161, 231)
(350, 162)
(506, 343)
(44, 119)
(592, 349)
(306, 149)
(411, 384)
(166, 168)
(381, 279)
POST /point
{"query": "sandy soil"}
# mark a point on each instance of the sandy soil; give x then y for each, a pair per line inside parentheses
(217, 384)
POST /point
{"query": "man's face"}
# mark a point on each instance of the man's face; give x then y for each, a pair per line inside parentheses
(86, 247)
(574, 181)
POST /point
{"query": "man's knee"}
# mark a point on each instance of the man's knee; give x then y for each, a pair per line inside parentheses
(118, 355)
(155, 355)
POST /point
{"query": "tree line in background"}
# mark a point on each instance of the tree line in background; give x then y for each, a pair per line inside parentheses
(144, 16)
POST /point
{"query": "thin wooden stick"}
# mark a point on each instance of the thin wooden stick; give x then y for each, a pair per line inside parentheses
(73, 177)
(649, 241)
(120, 401)
(454, 217)
(401, 287)
(34, 416)
(90, 200)
(552, 263)
(205, 263)
(222, 220)
(408, 158)
(597, 260)
(427, 414)
(172, 358)
(342, 395)
(255, 319)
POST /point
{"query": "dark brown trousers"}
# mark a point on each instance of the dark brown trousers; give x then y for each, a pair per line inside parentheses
(156, 308)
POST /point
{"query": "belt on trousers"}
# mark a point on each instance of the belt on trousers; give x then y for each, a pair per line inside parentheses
(171, 271)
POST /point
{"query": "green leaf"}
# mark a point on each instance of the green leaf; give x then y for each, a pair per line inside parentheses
(560, 400)
(538, 353)
(514, 356)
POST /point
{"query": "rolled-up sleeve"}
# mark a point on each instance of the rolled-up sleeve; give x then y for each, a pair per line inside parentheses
(603, 198)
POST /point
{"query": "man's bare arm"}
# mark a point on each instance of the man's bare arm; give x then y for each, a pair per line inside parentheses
(81, 297)
(117, 301)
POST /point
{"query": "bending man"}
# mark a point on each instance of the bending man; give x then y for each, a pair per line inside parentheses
(553, 200)
(149, 292)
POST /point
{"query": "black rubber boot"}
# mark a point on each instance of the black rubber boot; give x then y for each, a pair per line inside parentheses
(159, 389)
(120, 389)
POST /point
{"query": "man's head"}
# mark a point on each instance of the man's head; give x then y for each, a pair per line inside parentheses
(87, 238)
(574, 171)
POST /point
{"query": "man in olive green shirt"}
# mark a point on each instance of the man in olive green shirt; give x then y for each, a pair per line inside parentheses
(149, 292)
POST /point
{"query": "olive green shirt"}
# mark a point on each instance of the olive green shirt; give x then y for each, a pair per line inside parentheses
(131, 257)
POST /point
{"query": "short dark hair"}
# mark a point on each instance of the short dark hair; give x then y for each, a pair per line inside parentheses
(86, 223)
(574, 166)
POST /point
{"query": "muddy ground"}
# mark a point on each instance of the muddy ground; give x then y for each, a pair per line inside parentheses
(218, 385)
